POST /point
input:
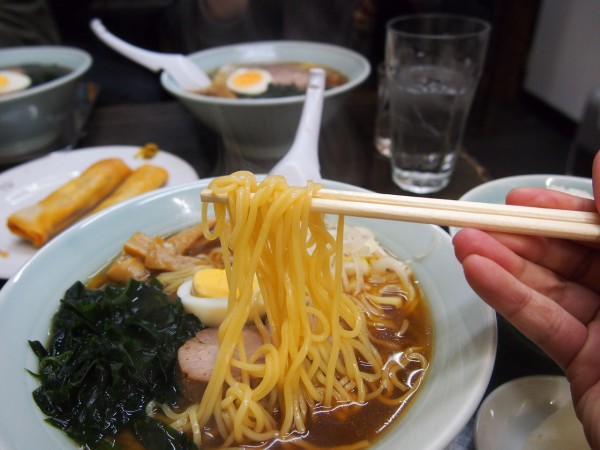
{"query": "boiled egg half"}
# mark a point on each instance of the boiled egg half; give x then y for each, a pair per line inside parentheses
(12, 81)
(206, 294)
(249, 81)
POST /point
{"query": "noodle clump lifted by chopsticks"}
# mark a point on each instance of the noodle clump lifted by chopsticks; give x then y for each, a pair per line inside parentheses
(317, 348)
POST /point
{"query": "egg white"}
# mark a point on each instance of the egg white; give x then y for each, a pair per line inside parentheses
(11, 81)
(210, 311)
(255, 88)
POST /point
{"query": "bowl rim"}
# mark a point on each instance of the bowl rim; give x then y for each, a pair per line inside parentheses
(496, 409)
(478, 193)
(198, 98)
(75, 73)
(502, 182)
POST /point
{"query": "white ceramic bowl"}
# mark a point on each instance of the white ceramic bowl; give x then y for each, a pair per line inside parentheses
(464, 327)
(32, 119)
(512, 411)
(265, 128)
(495, 191)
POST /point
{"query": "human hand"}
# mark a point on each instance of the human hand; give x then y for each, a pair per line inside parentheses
(549, 289)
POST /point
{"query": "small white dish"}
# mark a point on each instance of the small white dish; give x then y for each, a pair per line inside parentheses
(495, 191)
(512, 411)
(30, 182)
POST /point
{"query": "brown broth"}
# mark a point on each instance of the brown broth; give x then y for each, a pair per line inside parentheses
(278, 87)
(331, 427)
(345, 425)
(342, 425)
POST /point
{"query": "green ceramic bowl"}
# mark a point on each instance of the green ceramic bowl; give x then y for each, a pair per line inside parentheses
(265, 128)
(464, 326)
(32, 119)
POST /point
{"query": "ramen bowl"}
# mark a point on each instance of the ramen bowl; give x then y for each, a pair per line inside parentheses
(264, 128)
(464, 328)
(33, 118)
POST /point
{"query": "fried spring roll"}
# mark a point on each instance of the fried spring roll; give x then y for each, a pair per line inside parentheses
(144, 179)
(38, 223)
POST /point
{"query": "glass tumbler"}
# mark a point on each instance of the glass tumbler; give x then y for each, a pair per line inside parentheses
(382, 118)
(434, 63)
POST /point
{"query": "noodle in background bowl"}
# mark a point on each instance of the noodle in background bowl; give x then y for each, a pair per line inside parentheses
(264, 128)
(464, 327)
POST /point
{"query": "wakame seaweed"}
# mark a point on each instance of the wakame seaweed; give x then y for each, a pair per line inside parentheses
(110, 352)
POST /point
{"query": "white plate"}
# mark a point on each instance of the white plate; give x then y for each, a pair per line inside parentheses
(464, 326)
(30, 182)
(512, 411)
(495, 191)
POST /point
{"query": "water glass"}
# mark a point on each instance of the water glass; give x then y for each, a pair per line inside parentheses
(434, 63)
(382, 118)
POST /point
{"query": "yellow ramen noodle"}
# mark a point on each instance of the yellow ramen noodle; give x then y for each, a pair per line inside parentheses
(316, 349)
(38, 223)
(145, 178)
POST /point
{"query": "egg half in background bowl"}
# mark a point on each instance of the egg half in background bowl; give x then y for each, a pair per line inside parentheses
(264, 128)
(464, 327)
(38, 86)
(249, 81)
(13, 81)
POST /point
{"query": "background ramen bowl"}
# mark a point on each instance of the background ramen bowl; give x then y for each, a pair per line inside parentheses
(464, 328)
(265, 128)
(32, 119)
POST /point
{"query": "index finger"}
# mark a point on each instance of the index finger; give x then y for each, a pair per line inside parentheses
(549, 198)
(538, 317)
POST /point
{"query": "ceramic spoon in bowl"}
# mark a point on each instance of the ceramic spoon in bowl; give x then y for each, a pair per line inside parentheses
(301, 162)
(187, 74)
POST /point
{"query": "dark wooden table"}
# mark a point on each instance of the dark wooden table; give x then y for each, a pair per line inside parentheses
(346, 147)
(347, 154)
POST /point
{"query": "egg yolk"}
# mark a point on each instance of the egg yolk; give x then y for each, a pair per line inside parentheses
(210, 283)
(3, 81)
(249, 78)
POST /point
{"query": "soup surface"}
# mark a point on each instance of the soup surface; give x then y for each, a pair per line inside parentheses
(268, 80)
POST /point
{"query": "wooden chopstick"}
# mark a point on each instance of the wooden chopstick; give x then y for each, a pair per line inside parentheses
(457, 205)
(576, 225)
